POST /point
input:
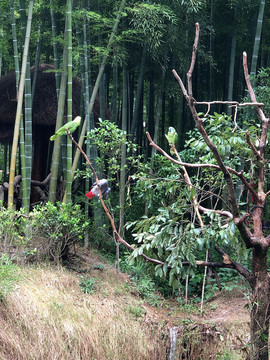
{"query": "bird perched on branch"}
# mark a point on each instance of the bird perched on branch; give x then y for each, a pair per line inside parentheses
(104, 187)
(172, 137)
(71, 126)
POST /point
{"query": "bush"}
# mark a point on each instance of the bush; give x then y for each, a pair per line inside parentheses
(13, 226)
(55, 228)
(47, 233)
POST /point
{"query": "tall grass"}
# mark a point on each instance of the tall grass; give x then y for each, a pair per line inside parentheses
(50, 318)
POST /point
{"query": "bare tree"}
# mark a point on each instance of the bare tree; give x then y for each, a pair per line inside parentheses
(249, 224)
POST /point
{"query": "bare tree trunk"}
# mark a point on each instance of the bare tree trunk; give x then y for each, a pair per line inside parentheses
(260, 311)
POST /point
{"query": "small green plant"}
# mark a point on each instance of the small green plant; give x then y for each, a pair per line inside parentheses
(142, 280)
(9, 276)
(136, 311)
(87, 285)
(226, 355)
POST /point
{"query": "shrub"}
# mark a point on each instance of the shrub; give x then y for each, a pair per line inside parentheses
(47, 233)
(55, 228)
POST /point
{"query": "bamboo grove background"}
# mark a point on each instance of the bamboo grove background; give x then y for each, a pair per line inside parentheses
(123, 52)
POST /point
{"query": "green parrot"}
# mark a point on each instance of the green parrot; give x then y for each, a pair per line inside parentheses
(71, 126)
(172, 137)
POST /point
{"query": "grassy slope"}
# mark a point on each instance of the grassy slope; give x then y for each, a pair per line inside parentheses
(49, 317)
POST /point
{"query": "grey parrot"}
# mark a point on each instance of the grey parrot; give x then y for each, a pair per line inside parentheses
(104, 187)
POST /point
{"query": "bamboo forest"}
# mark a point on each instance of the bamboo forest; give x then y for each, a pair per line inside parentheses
(134, 179)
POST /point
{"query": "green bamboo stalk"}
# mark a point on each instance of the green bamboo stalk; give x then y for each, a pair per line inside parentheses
(67, 196)
(59, 123)
(159, 103)
(138, 94)
(38, 50)
(97, 83)
(84, 75)
(123, 153)
(27, 114)
(19, 108)
(257, 39)
(114, 95)
(55, 48)
(21, 131)
(232, 61)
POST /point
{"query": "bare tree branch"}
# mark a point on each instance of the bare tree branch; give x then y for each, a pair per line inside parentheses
(213, 166)
(245, 234)
(233, 103)
(117, 235)
(264, 119)
(234, 265)
(255, 151)
(192, 63)
(228, 214)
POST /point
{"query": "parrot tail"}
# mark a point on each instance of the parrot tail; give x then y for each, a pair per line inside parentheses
(53, 137)
(90, 194)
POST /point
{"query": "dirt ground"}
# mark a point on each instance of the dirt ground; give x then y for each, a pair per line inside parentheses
(225, 307)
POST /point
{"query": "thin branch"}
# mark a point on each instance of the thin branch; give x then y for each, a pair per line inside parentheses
(255, 151)
(182, 86)
(230, 170)
(219, 212)
(234, 119)
(116, 234)
(234, 265)
(193, 59)
(233, 103)
(264, 119)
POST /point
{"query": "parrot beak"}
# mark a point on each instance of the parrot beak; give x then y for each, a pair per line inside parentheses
(89, 195)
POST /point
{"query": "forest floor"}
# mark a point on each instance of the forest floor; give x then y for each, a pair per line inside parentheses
(223, 307)
(83, 312)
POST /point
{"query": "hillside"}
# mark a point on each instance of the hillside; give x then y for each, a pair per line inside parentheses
(55, 313)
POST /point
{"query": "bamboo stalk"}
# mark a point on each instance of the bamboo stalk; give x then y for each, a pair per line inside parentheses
(67, 196)
(19, 108)
(97, 83)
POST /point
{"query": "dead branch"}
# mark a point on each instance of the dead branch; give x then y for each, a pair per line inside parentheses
(265, 121)
(245, 234)
(228, 214)
(238, 174)
(226, 102)
(192, 63)
(255, 151)
(117, 235)
(41, 184)
(234, 265)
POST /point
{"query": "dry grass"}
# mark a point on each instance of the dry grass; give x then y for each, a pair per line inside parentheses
(48, 317)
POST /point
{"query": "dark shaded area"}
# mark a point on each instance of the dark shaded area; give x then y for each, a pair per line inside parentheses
(44, 113)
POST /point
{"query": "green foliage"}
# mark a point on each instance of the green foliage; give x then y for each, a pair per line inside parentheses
(59, 226)
(9, 276)
(136, 311)
(150, 22)
(170, 231)
(142, 279)
(13, 227)
(228, 138)
(47, 232)
(87, 285)
(108, 139)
